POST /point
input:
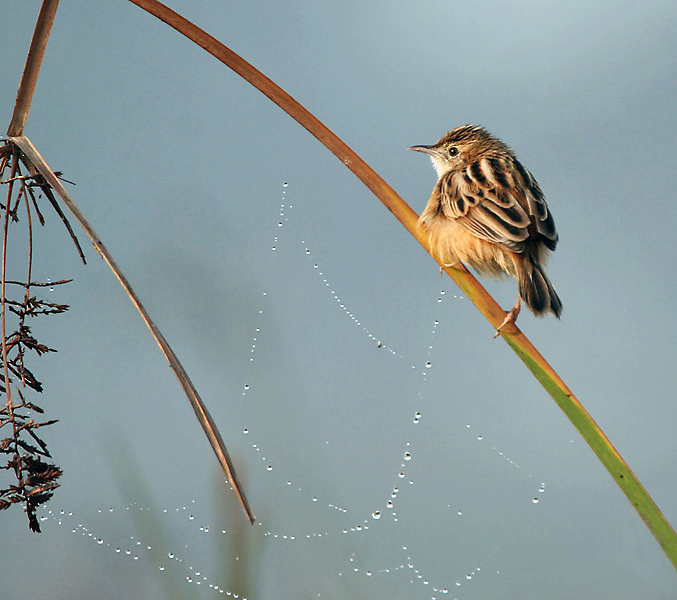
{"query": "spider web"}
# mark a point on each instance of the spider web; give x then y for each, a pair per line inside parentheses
(361, 484)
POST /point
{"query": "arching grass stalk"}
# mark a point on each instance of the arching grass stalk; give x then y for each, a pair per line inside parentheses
(545, 374)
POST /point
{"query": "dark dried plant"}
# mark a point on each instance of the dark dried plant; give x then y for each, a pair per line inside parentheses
(25, 453)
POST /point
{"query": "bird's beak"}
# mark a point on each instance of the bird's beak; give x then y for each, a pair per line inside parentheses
(427, 149)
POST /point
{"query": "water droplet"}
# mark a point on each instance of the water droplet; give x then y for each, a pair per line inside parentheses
(246, 386)
(479, 437)
(389, 504)
(284, 184)
(428, 365)
(535, 500)
(376, 515)
(417, 417)
(161, 567)
(315, 266)
(407, 456)
(269, 468)
(245, 431)
(191, 518)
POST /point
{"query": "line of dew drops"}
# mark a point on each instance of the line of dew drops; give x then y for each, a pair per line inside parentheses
(480, 438)
(418, 415)
(407, 453)
(246, 388)
(417, 576)
(136, 548)
(341, 304)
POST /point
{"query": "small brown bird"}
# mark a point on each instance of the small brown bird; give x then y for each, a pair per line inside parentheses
(488, 211)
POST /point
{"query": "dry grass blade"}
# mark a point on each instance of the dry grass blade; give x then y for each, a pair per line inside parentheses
(31, 154)
(47, 190)
(544, 373)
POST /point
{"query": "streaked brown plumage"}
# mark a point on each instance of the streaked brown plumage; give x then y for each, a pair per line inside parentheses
(488, 212)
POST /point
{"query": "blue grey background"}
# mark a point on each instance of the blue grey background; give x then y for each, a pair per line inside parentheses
(180, 166)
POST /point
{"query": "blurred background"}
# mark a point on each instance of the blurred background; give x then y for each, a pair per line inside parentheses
(372, 473)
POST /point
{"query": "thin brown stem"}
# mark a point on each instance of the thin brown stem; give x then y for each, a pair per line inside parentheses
(29, 79)
(3, 302)
(27, 293)
(3, 321)
(31, 155)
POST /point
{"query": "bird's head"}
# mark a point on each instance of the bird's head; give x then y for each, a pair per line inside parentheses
(461, 147)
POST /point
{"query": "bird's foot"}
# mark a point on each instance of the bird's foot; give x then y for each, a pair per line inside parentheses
(510, 317)
(451, 264)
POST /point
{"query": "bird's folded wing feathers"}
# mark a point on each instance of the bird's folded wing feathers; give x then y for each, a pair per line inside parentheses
(538, 208)
(486, 199)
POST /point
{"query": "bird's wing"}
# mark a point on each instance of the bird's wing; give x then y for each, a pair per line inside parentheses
(537, 206)
(498, 202)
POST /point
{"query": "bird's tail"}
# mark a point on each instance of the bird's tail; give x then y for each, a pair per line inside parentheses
(537, 291)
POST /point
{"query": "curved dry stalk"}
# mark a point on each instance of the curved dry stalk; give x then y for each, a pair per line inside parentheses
(35, 164)
(31, 155)
(545, 374)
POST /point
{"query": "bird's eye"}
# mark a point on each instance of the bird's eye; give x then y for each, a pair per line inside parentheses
(453, 151)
